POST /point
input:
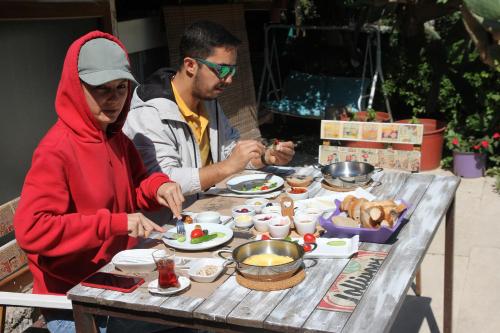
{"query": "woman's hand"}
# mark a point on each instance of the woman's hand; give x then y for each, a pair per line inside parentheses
(281, 154)
(139, 225)
(170, 195)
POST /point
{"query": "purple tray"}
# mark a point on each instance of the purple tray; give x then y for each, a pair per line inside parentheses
(365, 235)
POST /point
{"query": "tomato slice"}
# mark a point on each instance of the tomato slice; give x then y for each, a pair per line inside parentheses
(309, 238)
(265, 237)
(263, 188)
(196, 233)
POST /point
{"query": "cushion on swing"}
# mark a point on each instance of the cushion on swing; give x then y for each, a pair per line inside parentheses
(307, 95)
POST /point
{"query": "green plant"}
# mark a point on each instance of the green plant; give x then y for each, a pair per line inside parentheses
(370, 114)
(439, 74)
(486, 144)
(495, 172)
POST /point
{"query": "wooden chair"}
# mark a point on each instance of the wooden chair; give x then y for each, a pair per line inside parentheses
(14, 273)
(386, 133)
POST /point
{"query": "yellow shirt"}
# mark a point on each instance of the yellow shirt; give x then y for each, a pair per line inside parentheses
(198, 122)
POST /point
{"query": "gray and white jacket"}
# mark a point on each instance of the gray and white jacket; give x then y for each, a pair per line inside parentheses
(164, 139)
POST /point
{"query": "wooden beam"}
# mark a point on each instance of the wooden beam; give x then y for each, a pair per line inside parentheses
(30, 10)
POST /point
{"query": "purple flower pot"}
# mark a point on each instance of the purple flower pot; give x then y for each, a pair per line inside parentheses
(469, 165)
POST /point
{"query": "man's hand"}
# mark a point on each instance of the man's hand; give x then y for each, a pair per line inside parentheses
(281, 154)
(139, 225)
(243, 152)
(170, 195)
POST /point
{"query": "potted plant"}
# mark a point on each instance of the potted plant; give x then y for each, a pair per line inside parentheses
(470, 154)
(370, 115)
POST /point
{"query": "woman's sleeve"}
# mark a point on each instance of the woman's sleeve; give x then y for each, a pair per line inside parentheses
(42, 223)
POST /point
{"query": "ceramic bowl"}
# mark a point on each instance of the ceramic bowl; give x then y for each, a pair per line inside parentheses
(206, 269)
(274, 208)
(243, 221)
(280, 227)
(304, 193)
(242, 210)
(311, 211)
(305, 224)
(261, 221)
(207, 217)
(257, 203)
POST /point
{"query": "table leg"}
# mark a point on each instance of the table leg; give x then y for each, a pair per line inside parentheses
(84, 321)
(448, 267)
(418, 282)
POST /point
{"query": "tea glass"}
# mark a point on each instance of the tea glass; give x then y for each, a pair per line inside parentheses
(165, 264)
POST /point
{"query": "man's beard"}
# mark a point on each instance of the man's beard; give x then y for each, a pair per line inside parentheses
(198, 91)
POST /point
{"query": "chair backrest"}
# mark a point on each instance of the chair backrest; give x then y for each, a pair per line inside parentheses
(372, 132)
(238, 100)
(13, 260)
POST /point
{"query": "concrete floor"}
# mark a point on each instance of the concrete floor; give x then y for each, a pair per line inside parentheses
(476, 292)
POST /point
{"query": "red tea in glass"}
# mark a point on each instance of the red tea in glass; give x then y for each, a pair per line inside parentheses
(165, 264)
(166, 273)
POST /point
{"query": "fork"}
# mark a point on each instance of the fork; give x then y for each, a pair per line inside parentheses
(180, 227)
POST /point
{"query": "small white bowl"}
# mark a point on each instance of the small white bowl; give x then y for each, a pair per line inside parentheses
(243, 221)
(261, 221)
(257, 203)
(274, 208)
(207, 217)
(305, 224)
(195, 270)
(298, 196)
(311, 211)
(242, 210)
(280, 227)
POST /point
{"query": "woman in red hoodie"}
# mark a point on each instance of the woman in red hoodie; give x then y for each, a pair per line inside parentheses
(80, 199)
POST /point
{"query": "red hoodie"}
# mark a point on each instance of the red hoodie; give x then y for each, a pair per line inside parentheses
(72, 216)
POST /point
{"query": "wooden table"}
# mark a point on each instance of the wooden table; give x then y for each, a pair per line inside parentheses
(234, 308)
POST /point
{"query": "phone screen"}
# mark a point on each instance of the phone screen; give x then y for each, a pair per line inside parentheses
(113, 280)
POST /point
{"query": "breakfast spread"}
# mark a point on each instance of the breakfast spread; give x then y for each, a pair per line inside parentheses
(368, 214)
(297, 190)
(267, 259)
(207, 270)
(188, 219)
(299, 181)
(200, 236)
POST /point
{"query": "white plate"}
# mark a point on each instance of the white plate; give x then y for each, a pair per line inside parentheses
(153, 287)
(236, 180)
(343, 248)
(135, 260)
(141, 261)
(211, 227)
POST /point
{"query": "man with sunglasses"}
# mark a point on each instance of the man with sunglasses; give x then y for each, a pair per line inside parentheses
(177, 124)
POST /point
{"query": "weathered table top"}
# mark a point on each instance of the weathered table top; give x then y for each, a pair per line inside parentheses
(232, 307)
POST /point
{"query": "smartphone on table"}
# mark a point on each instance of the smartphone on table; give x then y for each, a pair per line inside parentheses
(104, 280)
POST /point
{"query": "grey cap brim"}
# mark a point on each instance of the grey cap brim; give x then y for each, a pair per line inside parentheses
(105, 76)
